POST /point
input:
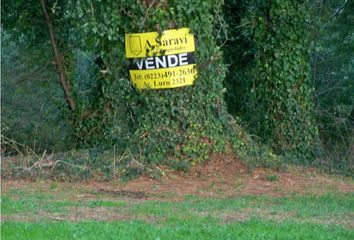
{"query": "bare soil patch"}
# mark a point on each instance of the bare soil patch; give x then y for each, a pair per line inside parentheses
(77, 214)
(223, 176)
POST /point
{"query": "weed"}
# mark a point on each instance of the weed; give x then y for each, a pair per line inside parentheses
(272, 178)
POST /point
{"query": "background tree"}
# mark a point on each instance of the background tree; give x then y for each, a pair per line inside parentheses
(41, 23)
(333, 76)
(31, 98)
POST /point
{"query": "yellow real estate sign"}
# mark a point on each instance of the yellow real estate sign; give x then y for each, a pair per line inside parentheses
(161, 60)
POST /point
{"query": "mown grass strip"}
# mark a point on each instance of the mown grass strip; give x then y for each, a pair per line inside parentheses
(252, 229)
(329, 205)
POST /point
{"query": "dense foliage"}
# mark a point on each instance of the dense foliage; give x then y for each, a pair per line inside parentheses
(276, 97)
(333, 79)
(266, 79)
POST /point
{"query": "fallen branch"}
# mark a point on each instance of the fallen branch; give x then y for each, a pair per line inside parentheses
(67, 163)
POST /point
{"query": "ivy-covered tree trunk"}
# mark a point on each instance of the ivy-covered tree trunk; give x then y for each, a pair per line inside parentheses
(280, 88)
(177, 126)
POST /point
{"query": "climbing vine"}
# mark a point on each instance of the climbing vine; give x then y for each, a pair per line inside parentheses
(179, 127)
(277, 95)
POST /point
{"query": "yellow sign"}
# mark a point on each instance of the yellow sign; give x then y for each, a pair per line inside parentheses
(161, 61)
(139, 45)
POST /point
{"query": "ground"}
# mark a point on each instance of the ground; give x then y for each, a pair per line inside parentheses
(218, 199)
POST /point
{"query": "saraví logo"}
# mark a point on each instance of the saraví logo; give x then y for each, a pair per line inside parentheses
(135, 45)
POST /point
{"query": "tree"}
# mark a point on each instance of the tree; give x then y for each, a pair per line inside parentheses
(32, 22)
(175, 126)
(277, 96)
(179, 126)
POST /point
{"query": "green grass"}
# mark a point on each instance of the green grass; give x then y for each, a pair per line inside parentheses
(19, 201)
(33, 204)
(272, 178)
(252, 229)
(303, 206)
(311, 206)
(328, 216)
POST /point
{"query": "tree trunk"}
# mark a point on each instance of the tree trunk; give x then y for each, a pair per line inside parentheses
(59, 60)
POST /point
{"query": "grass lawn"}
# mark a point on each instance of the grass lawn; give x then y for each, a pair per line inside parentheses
(217, 201)
(38, 215)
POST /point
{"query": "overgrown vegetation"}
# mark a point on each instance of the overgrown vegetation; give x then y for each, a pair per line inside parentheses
(276, 98)
(272, 88)
(163, 126)
(268, 114)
